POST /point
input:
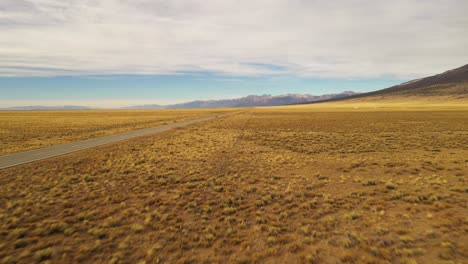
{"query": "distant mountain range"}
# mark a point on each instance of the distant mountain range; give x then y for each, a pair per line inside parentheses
(248, 101)
(449, 85)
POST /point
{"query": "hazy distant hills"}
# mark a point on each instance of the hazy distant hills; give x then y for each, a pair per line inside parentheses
(451, 85)
(249, 101)
(40, 107)
(149, 106)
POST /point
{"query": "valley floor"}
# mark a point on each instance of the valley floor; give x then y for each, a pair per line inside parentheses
(274, 185)
(27, 130)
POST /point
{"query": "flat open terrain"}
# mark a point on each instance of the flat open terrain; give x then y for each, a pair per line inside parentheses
(275, 185)
(26, 130)
(16, 159)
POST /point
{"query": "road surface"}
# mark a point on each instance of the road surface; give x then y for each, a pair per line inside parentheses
(57, 150)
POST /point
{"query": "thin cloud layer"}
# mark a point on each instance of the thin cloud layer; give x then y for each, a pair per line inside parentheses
(344, 39)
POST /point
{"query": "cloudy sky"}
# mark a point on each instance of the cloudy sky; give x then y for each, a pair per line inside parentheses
(118, 52)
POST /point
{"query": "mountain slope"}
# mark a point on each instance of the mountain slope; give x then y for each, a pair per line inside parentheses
(450, 85)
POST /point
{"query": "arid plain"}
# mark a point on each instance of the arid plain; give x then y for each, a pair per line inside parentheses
(26, 130)
(336, 183)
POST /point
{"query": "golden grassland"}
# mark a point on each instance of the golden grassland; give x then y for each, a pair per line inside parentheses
(270, 185)
(395, 104)
(26, 130)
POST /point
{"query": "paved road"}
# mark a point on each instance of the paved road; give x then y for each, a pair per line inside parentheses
(49, 152)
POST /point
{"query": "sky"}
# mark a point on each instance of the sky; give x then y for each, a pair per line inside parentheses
(112, 53)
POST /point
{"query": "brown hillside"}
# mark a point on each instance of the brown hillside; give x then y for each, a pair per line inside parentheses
(452, 84)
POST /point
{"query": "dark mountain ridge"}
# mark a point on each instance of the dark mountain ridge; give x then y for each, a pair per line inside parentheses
(249, 101)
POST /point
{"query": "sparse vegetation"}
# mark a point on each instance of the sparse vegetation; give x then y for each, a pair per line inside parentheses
(299, 185)
(26, 130)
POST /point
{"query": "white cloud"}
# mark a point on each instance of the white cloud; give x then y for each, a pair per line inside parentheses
(348, 39)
